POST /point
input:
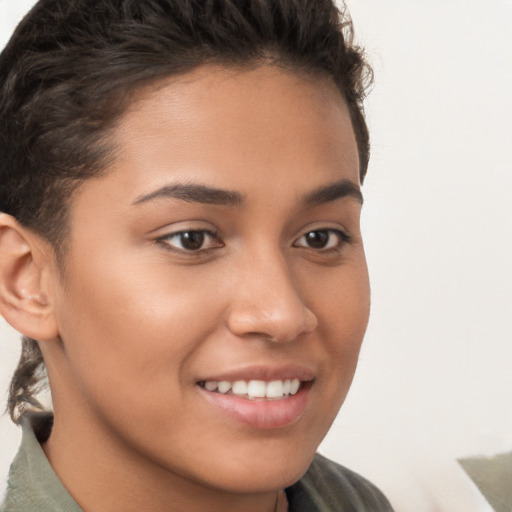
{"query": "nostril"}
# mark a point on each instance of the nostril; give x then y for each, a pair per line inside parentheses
(311, 321)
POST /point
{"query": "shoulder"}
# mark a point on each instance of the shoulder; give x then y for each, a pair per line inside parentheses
(32, 484)
(329, 487)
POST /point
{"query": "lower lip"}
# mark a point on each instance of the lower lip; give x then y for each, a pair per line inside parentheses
(260, 413)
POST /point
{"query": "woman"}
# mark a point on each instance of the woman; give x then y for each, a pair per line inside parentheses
(181, 250)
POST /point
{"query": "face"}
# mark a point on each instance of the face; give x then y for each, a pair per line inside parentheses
(216, 291)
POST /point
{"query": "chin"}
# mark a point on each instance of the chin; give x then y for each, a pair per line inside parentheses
(268, 471)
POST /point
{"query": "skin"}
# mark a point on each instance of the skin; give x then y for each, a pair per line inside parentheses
(139, 320)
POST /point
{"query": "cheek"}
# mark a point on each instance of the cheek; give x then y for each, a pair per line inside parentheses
(342, 305)
(131, 327)
(341, 301)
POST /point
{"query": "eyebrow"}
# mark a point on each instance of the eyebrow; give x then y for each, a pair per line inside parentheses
(194, 194)
(332, 192)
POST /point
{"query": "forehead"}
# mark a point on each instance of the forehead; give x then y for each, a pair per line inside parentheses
(238, 113)
(264, 130)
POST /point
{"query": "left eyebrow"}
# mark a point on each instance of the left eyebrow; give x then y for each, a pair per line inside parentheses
(332, 192)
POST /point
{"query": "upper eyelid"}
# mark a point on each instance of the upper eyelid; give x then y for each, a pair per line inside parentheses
(165, 240)
(344, 237)
(175, 228)
(336, 229)
(210, 233)
(190, 230)
(214, 233)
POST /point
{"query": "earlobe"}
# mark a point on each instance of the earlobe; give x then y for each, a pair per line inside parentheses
(24, 302)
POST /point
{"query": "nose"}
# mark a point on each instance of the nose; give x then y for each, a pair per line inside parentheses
(267, 303)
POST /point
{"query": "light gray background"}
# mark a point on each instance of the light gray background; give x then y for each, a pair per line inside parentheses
(434, 381)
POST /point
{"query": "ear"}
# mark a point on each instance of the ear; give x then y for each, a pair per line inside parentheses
(25, 267)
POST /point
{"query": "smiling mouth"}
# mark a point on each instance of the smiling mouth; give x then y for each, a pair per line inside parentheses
(255, 389)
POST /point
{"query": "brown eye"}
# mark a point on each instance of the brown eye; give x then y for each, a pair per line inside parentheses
(322, 239)
(191, 241)
(317, 239)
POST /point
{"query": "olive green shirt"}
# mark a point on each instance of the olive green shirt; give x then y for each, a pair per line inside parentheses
(33, 486)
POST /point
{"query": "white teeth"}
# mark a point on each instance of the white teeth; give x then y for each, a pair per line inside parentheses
(275, 389)
(239, 387)
(224, 386)
(210, 385)
(255, 388)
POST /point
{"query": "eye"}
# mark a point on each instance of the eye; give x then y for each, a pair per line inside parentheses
(191, 240)
(322, 239)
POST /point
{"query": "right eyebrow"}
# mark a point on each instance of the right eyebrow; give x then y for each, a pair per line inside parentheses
(194, 193)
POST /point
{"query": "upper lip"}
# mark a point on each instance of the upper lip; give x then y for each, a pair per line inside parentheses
(263, 372)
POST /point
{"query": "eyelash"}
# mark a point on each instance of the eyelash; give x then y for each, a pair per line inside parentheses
(342, 239)
(206, 233)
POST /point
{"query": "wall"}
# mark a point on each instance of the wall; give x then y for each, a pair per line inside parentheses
(434, 381)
